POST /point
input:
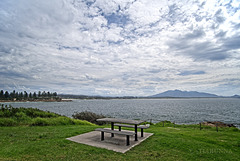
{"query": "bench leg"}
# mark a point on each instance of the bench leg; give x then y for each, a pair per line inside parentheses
(112, 128)
(128, 140)
(119, 127)
(102, 135)
(136, 137)
(141, 132)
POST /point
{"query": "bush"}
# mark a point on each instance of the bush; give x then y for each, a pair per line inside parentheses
(9, 111)
(238, 144)
(57, 121)
(81, 122)
(235, 129)
(89, 116)
(39, 122)
(10, 116)
(33, 112)
(7, 122)
(1, 114)
(21, 116)
(62, 121)
(68, 121)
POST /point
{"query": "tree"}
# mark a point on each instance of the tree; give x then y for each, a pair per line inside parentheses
(39, 94)
(17, 95)
(21, 95)
(25, 95)
(6, 95)
(13, 94)
(55, 94)
(44, 94)
(34, 95)
(2, 94)
(30, 95)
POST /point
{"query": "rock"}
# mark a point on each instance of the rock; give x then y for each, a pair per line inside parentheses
(220, 124)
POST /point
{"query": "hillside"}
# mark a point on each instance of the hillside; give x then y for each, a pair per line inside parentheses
(179, 93)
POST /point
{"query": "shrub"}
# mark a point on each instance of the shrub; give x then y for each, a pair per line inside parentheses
(22, 118)
(61, 121)
(1, 114)
(89, 116)
(33, 112)
(51, 121)
(57, 121)
(9, 111)
(235, 129)
(68, 121)
(10, 116)
(238, 144)
(81, 122)
(7, 122)
(39, 122)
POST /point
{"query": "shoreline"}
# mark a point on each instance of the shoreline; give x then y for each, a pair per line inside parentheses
(63, 100)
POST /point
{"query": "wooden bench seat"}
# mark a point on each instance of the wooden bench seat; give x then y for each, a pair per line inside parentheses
(132, 126)
(126, 133)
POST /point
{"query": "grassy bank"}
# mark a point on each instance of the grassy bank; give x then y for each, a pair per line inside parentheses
(10, 116)
(167, 143)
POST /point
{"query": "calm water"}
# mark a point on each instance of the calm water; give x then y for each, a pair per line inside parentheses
(179, 110)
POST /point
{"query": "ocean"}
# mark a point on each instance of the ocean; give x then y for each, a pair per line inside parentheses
(181, 111)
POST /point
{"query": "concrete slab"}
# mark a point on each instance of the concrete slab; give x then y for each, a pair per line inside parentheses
(116, 143)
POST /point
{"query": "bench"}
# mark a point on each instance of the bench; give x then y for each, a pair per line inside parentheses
(132, 126)
(127, 133)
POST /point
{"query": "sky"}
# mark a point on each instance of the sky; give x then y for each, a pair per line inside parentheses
(120, 47)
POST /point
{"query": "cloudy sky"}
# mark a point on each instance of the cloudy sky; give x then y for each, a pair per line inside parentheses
(120, 47)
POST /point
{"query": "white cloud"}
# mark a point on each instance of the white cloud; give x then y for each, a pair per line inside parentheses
(144, 13)
(119, 47)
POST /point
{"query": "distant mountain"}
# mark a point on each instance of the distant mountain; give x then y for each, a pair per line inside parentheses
(178, 93)
(170, 93)
(236, 96)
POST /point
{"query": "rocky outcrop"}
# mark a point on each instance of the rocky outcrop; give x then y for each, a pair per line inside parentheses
(218, 123)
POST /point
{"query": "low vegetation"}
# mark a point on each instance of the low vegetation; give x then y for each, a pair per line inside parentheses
(10, 116)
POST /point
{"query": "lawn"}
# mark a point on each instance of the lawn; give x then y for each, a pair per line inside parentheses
(168, 143)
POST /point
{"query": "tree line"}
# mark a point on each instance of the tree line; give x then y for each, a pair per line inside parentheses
(20, 96)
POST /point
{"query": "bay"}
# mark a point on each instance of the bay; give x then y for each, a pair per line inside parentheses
(181, 111)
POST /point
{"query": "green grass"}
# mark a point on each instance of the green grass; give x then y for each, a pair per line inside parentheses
(167, 143)
(10, 116)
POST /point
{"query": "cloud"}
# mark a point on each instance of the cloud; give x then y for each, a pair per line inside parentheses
(119, 47)
(232, 43)
(185, 73)
(200, 51)
(194, 35)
